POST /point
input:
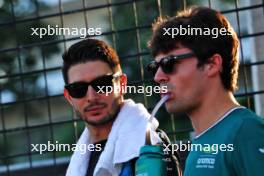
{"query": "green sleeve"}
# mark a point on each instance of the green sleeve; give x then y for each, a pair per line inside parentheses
(248, 154)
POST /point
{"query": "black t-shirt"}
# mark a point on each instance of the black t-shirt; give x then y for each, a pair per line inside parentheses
(94, 158)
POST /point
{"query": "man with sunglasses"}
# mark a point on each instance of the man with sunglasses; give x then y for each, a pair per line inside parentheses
(115, 128)
(200, 72)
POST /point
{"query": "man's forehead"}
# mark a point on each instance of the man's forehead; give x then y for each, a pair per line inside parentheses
(88, 71)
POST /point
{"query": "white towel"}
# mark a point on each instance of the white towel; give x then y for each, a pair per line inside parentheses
(127, 136)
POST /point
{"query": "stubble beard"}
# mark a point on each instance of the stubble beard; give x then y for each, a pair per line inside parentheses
(110, 117)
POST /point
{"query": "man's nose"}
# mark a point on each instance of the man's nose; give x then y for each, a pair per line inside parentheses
(160, 76)
(91, 94)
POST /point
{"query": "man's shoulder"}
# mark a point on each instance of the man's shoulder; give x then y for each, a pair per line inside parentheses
(251, 124)
(243, 118)
(237, 122)
(248, 145)
(247, 118)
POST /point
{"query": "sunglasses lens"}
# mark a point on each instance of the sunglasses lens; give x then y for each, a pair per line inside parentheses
(153, 67)
(102, 84)
(77, 90)
(167, 65)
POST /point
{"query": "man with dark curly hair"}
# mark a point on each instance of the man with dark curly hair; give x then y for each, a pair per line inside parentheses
(115, 128)
(196, 57)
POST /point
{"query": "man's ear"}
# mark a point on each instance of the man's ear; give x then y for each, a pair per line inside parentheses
(214, 65)
(67, 96)
(123, 83)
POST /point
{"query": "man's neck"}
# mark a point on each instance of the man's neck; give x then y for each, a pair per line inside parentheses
(211, 110)
(99, 133)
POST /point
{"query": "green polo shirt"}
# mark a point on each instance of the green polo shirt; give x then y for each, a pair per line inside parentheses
(233, 146)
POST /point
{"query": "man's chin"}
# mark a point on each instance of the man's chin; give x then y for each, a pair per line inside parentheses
(99, 122)
(169, 108)
(173, 110)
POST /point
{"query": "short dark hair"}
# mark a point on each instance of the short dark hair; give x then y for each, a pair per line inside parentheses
(204, 46)
(89, 50)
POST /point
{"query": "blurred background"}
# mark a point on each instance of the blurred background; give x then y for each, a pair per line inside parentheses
(32, 107)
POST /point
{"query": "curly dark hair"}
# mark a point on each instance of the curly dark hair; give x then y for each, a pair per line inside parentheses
(204, 46)
(89, 50)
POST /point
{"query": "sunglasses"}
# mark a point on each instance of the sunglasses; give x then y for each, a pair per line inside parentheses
(100, 85)
(167, 63)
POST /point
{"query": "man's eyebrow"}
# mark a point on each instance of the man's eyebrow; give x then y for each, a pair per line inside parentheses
(79, 82)
(100, 76)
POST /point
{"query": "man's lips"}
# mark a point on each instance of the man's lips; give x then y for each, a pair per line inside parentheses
(94, 108)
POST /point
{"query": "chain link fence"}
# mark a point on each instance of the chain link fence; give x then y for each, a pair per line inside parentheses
(32, 107)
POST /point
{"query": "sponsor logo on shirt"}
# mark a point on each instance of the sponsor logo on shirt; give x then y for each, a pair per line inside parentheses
(205, 162)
